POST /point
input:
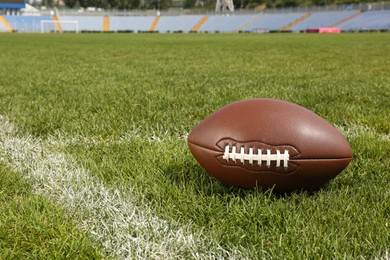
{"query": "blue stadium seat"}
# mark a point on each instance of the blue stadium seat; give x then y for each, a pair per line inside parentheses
(3, 28)
(274, 21)
(26, 23)
(177, 23)
(225, 23)
(85, 23)
(370, 20)
(321, 20)
(128, 23)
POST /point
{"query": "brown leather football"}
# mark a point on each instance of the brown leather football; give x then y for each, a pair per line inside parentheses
(271, 144)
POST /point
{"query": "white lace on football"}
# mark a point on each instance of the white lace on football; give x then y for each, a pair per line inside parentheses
(258, 157)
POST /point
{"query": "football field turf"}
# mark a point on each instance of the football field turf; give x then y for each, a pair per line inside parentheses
(94, 161)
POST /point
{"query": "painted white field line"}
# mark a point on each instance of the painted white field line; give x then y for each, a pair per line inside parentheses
(385, 256)
(61, 140)
(354, 130)
(113, 219)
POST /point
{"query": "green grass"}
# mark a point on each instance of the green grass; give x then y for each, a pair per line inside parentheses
(31, 226)
(121, 106)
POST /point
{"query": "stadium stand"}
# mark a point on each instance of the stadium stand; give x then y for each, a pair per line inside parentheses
(200, 23)
(177, 23)
(297, 21)
(273, 22)
(130, 23)
(370, 20)
(260, 22)
(154, 24)
(225, 23)
(26, 23)
(319, 20)
(3, 28)
(4, 25)
(85, 23)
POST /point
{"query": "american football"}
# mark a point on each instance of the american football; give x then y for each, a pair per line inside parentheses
(269, 143)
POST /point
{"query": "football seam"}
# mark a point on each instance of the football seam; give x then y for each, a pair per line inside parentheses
(299, 159)
(238, 141)
(257, 171)
(274, 172)
(321, 159)
(276, 146)
(240, 167)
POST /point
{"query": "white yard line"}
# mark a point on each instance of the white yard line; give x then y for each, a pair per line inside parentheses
(385, 256)
(61, 140)
(113, 219)
(354, 130)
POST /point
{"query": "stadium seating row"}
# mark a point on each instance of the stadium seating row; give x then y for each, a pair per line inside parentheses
(345, 20)
(378, 20)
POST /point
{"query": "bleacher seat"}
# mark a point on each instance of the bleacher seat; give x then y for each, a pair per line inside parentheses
(85, 23)
(3, 28)
(320, 20)
(370, 20)
(130, 23)
(177, 23)
(225, 23)
(273, 22)
(26, 23)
